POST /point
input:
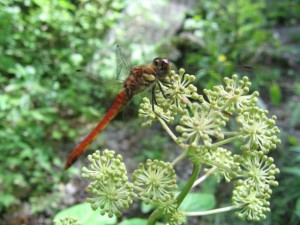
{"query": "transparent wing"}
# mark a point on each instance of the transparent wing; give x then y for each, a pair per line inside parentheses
(98, 83)
(123, 65)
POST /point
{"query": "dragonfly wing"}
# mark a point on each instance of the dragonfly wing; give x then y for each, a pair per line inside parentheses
(97, 82)
(123, 65)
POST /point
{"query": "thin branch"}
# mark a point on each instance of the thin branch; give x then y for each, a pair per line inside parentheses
(201, 179)
(214, 211)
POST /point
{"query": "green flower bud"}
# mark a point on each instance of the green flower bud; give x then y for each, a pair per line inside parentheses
(156, 181)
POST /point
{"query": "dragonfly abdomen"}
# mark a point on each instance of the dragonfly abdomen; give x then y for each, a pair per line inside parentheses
(121, 100)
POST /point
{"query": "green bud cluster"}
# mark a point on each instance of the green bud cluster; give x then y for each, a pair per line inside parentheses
(257, 130)
(200, 124)
(203, 129)
(111, 190)
(204, 134)
(146, 112)
(156, 180)
(254, 204)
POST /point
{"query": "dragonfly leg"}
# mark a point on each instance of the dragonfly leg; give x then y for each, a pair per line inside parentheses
(165, 82)
(153, 99)
(161, 90)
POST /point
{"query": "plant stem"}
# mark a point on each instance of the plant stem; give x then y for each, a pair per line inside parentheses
(230, 133)
(201, 179)
(179, 158)
(214, 211)
(188, 185)
(172, 135)
(225, 141)
(154, 217)
(158, 213)
(165, 126)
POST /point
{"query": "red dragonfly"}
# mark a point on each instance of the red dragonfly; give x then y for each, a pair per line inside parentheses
(138, 79)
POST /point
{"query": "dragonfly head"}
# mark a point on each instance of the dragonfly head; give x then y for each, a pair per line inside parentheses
(163, 66)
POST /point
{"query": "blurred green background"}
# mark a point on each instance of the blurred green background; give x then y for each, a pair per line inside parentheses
(46, 105)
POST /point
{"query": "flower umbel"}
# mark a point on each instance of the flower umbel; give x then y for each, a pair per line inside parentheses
(233, 96)
(110, 186)
(258, 130)
(146, 112)
(177, 218)
(253, 203)
(258, 170)
(106, 165)
(223, 160)
(201, 126)
(156, 181)
(110, 196)
(181, 89)
(170, 99)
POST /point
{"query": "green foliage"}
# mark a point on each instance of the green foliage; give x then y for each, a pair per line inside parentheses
(42, 44)
(275, 94)
(198, 202)
(192, 202)
(223, 34)
(153, 148)
(283, 12)
(44, 102)
(288, 192)
(85, 215)
(294, 112)
(136, 221)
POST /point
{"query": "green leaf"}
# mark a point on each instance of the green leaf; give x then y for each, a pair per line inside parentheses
(198, 202)
(136, 221)
(297, 208)
(6, 200)
(275, 94)
(146, 208)
(292, 170)
(294, 119)
(84, 213)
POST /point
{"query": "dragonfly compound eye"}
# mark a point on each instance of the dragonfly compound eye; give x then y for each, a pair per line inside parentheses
(163, 65)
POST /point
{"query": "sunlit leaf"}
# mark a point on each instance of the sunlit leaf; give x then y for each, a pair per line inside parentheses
(136, 221)
(198, 202)
(85, 215)
(275, 94)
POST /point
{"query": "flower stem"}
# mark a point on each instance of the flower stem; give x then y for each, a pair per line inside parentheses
(154, 217)
(188, 185)
(158, 213)
(172, 135)
(165, 126)
(201, 179)
(214, 211)
(225, 141)
(230, 133)
(179, 158)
